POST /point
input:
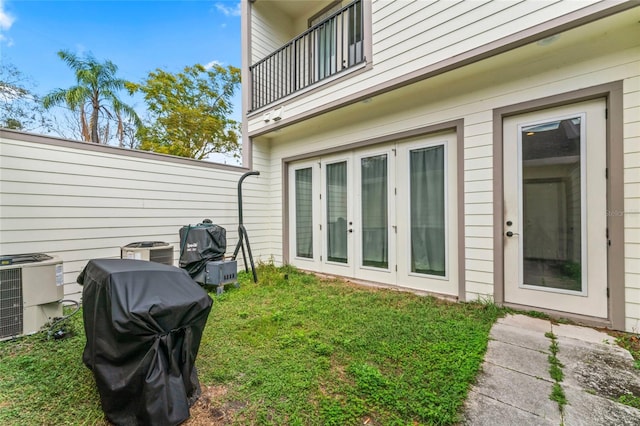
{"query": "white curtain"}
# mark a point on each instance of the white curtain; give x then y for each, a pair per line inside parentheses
(375, 243)
(337, 212)
(427, 211)
(304, 213)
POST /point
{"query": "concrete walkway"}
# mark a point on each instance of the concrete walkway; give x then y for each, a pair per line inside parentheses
(514, 385)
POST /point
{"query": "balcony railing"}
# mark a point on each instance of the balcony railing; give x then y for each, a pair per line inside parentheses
(327, 48)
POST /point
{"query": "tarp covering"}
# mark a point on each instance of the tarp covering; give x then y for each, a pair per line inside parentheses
(143, 323)
(200, 244)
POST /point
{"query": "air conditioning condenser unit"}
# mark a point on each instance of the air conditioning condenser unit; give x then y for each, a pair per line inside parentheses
(154, 251)
(31, 291)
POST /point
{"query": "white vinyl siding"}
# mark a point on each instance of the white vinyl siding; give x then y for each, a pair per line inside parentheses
(631, 93)
(265, 217)
(81, 205)
(270, 30)
(410, 35)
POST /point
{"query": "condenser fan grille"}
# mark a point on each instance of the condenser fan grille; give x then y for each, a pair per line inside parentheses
(11, 310)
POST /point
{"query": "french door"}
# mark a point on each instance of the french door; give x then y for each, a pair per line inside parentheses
(428, 216)
(555, 201)
(386, 214)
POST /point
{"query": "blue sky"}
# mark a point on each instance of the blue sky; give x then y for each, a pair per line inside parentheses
(138, 36)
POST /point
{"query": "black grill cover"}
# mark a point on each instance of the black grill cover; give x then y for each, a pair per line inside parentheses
(200, 244)
(143, 323)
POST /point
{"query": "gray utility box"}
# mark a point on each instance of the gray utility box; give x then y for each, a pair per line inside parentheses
(218, 273)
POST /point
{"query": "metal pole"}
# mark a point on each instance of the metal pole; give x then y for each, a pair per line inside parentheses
(242, 232)
(242, 178)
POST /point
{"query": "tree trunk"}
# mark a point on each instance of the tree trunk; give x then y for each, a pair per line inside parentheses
(95, 137)
(86, 136)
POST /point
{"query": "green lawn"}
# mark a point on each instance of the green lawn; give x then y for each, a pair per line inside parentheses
(292, 350)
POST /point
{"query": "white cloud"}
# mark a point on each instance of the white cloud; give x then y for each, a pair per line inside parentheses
(8, 41)
(229, 10)
(6, 20)
(211, 64)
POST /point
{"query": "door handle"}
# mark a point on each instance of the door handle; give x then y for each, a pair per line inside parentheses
(350, 230)
(511, 234)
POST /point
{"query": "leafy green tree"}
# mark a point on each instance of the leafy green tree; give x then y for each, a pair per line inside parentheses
(95, 93)
(189, 111)
(20, 107)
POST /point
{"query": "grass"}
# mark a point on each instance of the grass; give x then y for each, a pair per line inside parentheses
(556, 373)
(557, 395)
(630, 400)
(292, 350)
(631, 342)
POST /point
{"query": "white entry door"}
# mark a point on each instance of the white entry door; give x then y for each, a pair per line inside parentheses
(374, 229)
(555, 202)
(337, 222)
(357, 214)
(304, 204)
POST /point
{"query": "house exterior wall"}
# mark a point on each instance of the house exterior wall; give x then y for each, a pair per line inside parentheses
(410, 36)
(270, 31)
(581, 58)
(81, 201)
(631, 93)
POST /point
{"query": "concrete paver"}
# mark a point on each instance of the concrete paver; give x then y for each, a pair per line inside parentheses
(584, 334)
(486, 411)
(517, 358)
(514, 385)
(520, 337)
(517, 389)
(586, 409)
(598, 368)
(526, 323)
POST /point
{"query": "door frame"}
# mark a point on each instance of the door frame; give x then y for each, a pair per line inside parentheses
(302, 262)
(372, 273)
(613, 96)
(454, 126)
(326, 265)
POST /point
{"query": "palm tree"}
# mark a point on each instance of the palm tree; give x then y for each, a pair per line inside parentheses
(96, 91)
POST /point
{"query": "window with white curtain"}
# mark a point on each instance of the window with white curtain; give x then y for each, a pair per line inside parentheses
(336, 192)
(304, 213)
(375, 228)
(427, 204)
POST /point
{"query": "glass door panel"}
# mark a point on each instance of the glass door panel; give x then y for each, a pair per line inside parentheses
(325, 36)
(427, 207)
(304, 212)
(552, 204)
(337, 212)
(354, 34)
(304, 219)
(374, 208)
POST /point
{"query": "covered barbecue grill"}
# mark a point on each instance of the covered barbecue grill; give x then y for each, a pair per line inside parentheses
(202, 249)
(143, 324)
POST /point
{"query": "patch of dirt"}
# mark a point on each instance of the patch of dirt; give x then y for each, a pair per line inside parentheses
(211, 409)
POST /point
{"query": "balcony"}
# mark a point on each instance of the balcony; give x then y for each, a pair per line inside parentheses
(327, 48)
